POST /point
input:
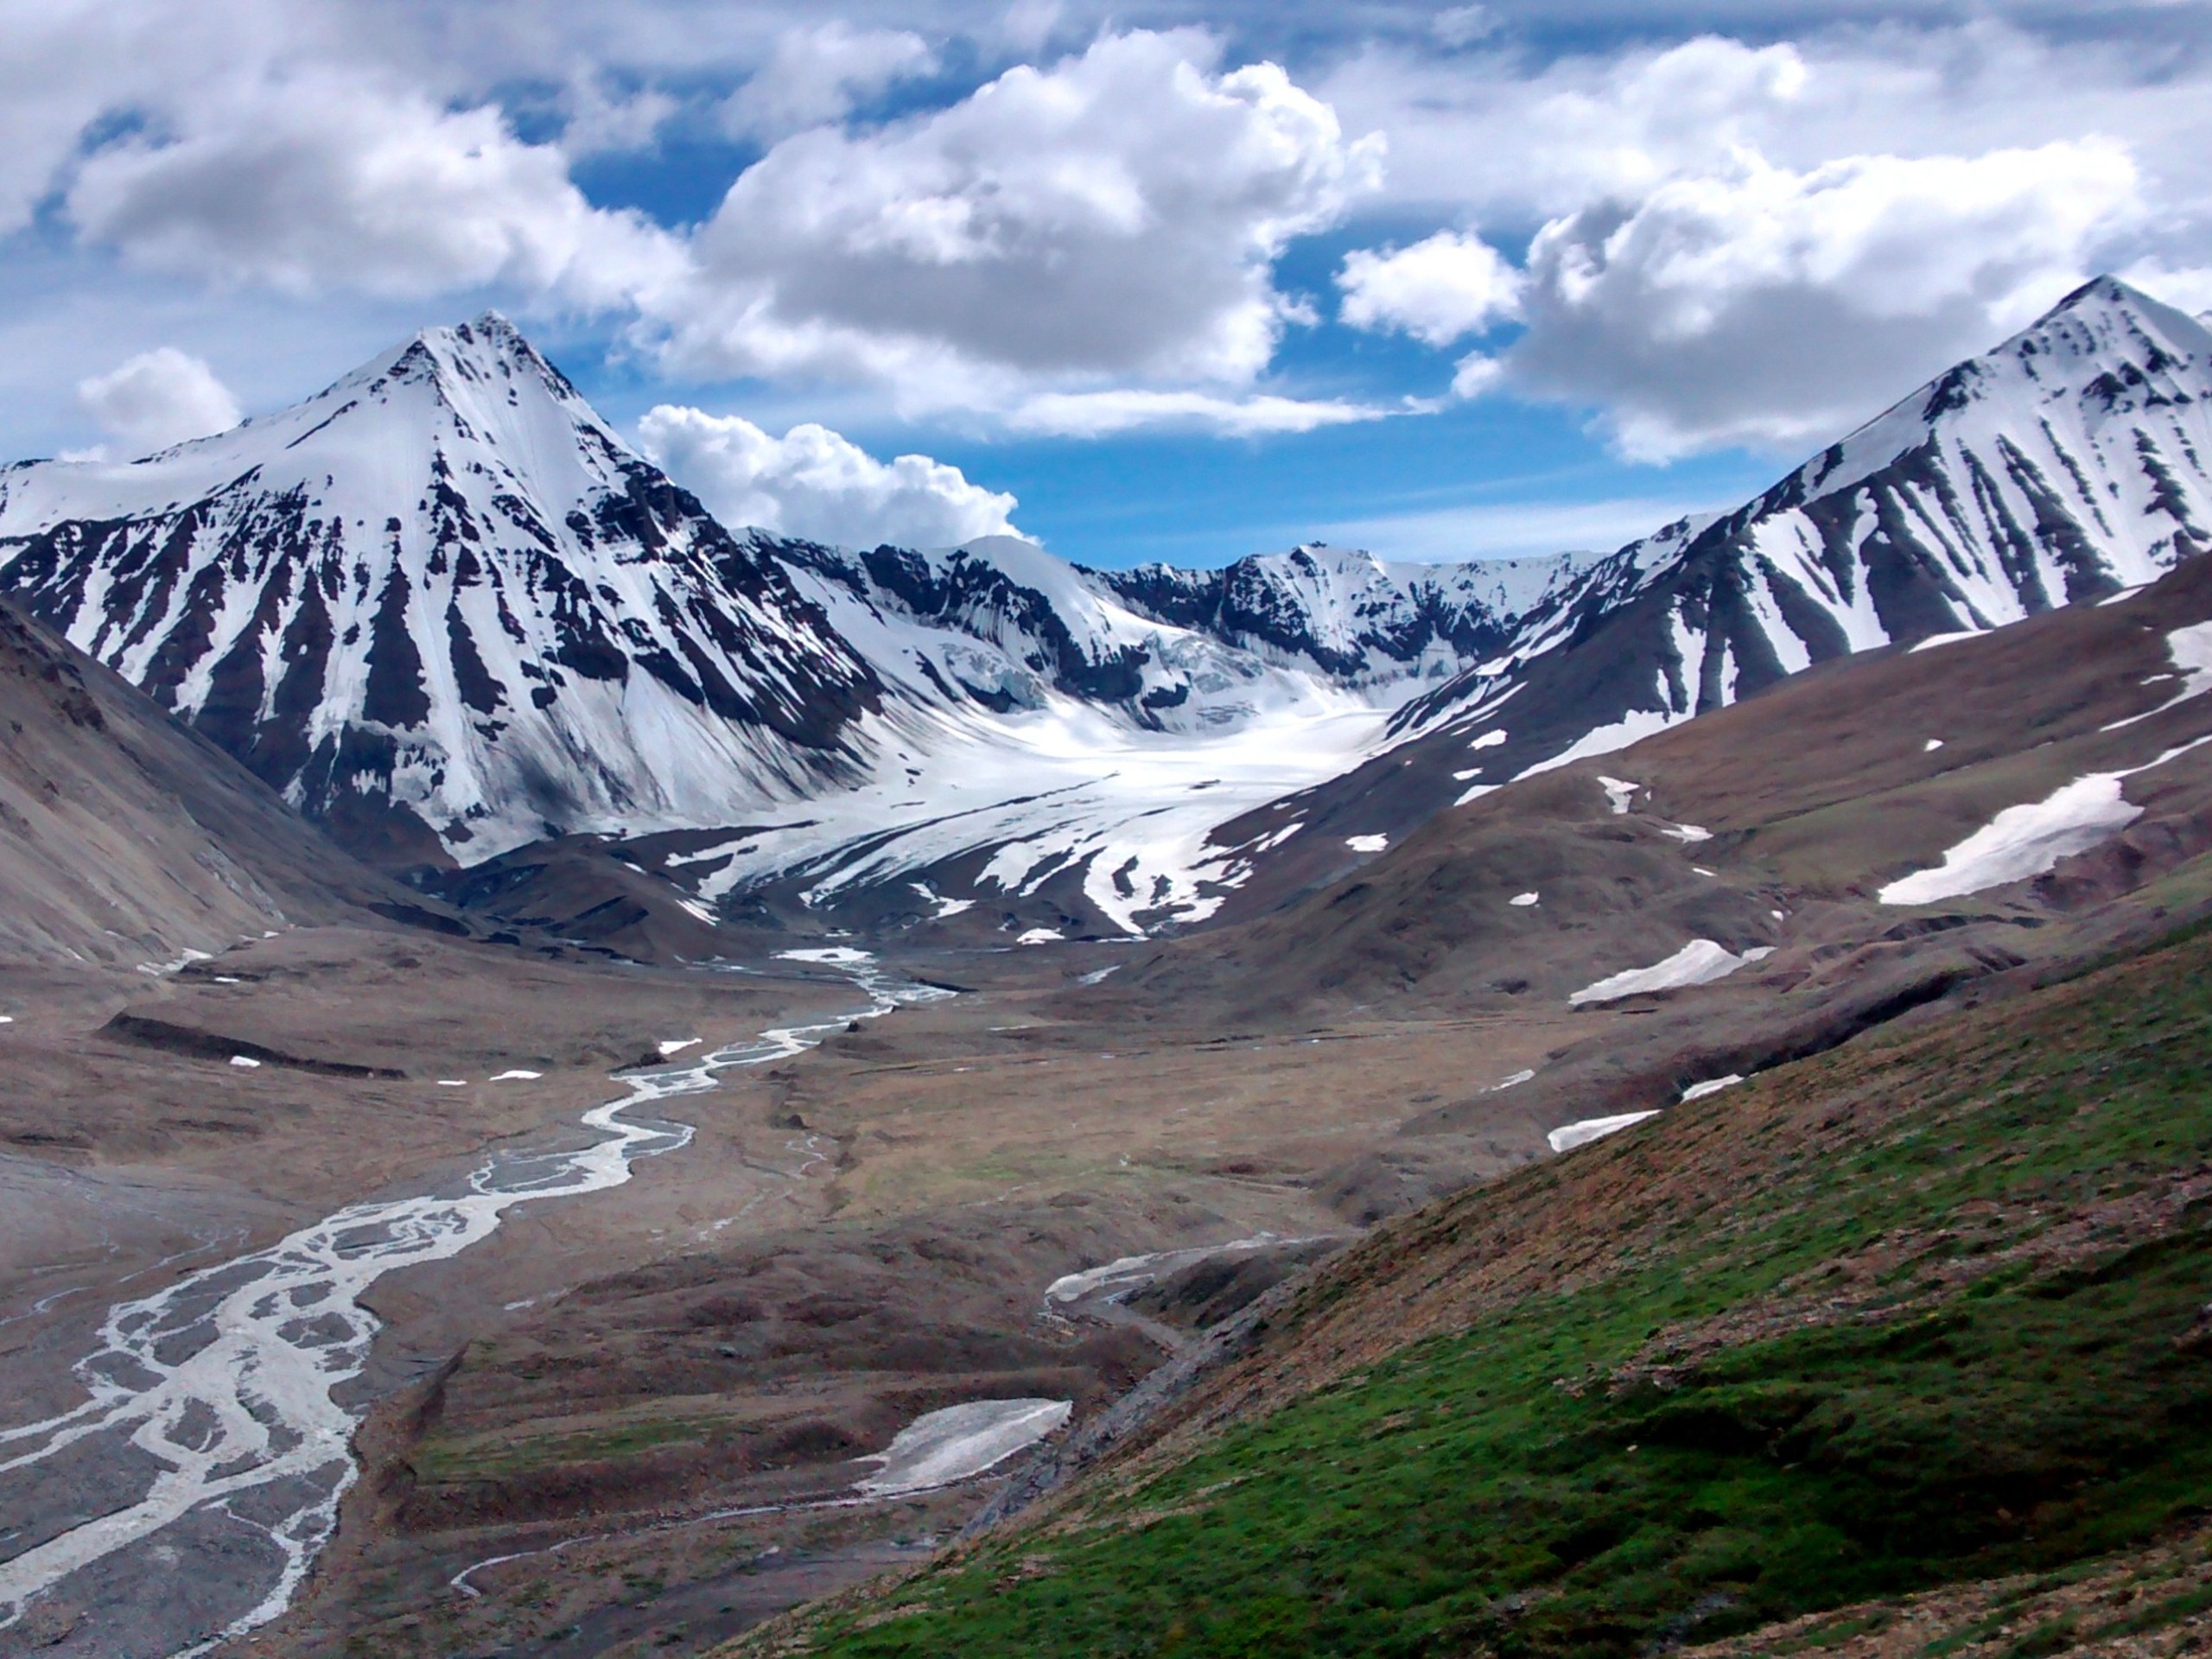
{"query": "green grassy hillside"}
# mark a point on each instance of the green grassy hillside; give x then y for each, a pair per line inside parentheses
(1923, 1311)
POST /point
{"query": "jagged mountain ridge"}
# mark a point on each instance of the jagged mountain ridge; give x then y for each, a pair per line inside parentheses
(1001, 623)
(441, 608)
(990, 722)
(446, 612)
(2072, 461)
(2066, 464)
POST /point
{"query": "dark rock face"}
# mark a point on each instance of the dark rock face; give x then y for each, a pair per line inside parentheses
(440, 606)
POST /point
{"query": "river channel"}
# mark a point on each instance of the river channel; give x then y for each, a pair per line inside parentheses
(183, 1501)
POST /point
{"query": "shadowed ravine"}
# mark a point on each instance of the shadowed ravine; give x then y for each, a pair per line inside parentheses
(213, 1443)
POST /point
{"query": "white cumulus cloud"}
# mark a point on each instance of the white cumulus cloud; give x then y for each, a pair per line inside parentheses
(158, 398)
(1437, 290)
(817, 75)
(326, 178)
(1112, 216)
(1773, 307)
(817, 485)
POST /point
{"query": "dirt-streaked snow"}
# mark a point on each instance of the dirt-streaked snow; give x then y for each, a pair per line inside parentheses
(1698, 963)
(943, 1446)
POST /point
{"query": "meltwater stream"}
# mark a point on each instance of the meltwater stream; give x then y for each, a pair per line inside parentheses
(211, 1432)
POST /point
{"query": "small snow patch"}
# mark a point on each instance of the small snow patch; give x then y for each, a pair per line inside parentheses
(1487, 740)
(1367, 843)
(1935, 640)
(2029, 840)
(1476, 793)
(452, 1083)
(1700, 869)
(245, 1063)
(7, 1019)
(1931, 746)
(1618, 792)
(1712, 1086)
(678, 1044)
(1041, 936)
(1568, 1136)
(1097, 976)
(1522, 899)
(943, 1446)
(944, 907)
(1514, 1081)
(2192, 651)
(1688, 833)
(518, 1076)
(1698, 963)
(1462, 777)
(834, 955)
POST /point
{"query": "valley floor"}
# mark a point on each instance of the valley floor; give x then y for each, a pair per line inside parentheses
(1899, 1350)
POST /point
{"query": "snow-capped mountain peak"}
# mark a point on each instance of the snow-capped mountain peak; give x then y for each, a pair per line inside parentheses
(443, 606)
(448, 611)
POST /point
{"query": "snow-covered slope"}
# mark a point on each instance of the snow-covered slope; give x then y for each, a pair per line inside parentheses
(448, 613)
(441, 607)
(2071, 462)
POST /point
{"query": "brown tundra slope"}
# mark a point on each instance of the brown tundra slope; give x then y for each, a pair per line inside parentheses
(1895, 1344)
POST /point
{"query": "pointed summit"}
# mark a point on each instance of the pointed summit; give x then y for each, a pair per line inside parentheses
(443, 608)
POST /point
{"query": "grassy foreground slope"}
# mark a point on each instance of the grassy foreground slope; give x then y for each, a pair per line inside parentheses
(1926, 1311)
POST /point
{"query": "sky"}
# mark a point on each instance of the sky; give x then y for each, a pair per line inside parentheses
(1180, 282)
